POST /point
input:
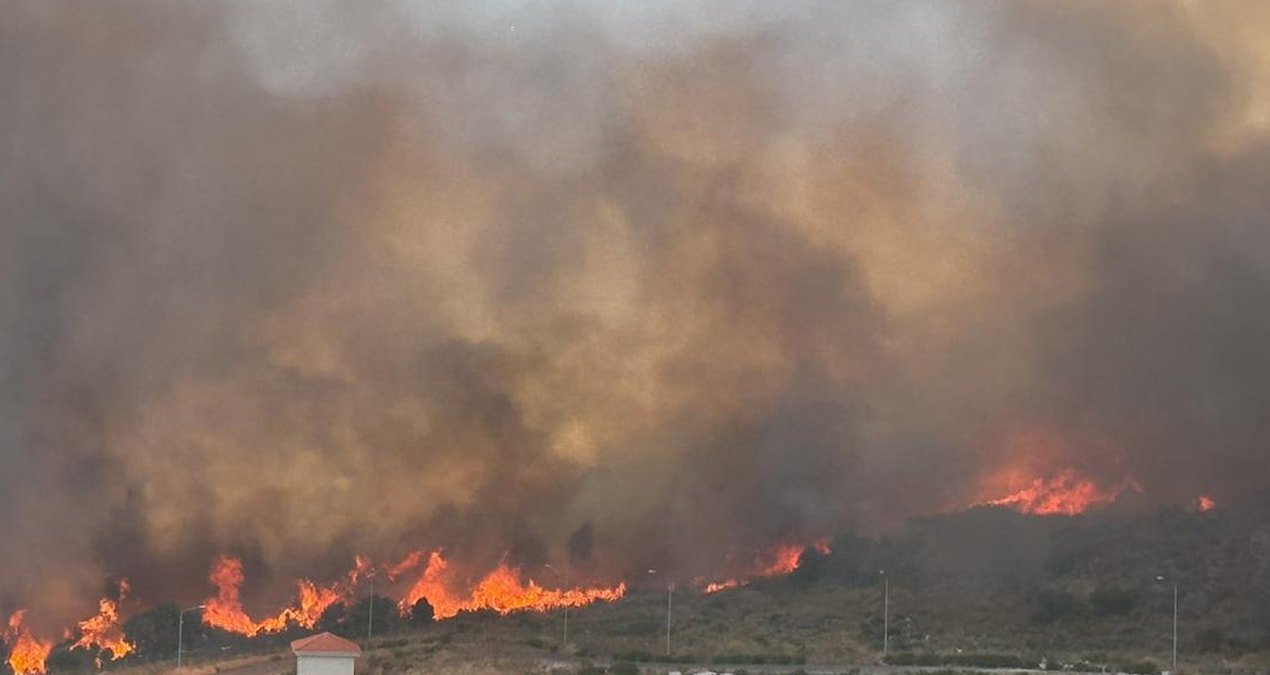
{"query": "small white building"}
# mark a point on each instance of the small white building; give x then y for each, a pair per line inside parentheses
(325, 654)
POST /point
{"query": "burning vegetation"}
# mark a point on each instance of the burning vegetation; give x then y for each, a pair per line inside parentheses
(503, 590)
(779, 561)
(428, 577)
(104, 631)
(1065, 493)
(636, 289)
(26, 653)
(101, 633)
(225, 609)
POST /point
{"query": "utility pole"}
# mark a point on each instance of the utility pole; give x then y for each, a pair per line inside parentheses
(1174, 670)
(670, 589)
(1174, 628)
(886, 613)
(564, 644)
(370, 610)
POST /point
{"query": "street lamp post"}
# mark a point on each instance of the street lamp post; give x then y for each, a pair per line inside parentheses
(886, 613)
(670, 589)
(565, 577)
(180, 633)
(370, 609)
(1174, 669)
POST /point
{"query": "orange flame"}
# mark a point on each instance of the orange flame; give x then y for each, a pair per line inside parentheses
(501, 591)
(786, 559)
(27, 655)
(103, 630)
(225, 611)
(1204, 504)
(716, 586)
(410, 562)
(312, 601)
(779, 561)
(1064, 493)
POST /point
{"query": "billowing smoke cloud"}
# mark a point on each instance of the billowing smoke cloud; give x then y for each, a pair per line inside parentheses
(629, 286)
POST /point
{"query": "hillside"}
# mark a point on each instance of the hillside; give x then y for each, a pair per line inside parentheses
(1072, 590)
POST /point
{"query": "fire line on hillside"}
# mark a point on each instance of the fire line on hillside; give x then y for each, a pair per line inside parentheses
(504, 590)
(1066, 492)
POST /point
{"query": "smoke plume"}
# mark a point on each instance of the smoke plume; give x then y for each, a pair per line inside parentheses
(646, 285)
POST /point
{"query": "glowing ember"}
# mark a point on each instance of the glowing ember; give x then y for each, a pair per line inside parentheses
(1065, 493)
(501, 591)
(225, 611)
(103, 630)
(26, 654)
(1203, 504)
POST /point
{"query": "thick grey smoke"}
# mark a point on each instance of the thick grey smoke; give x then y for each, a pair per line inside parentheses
(656, 284)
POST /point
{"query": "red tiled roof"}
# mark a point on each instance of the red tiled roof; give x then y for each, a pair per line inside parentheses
(325, 643)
